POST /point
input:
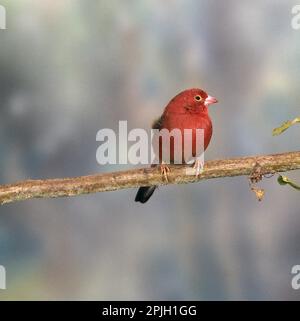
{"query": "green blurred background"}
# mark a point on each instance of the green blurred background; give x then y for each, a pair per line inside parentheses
(71, 67)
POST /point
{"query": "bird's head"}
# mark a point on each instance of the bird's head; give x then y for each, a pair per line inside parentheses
(191, 100)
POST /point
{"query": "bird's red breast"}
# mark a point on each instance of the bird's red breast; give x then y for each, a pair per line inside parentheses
(187, 110)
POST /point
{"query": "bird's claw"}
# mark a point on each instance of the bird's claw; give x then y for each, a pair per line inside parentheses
(198, 167)
(165, 170)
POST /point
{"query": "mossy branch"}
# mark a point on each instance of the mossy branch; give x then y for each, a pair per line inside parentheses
(147, 176)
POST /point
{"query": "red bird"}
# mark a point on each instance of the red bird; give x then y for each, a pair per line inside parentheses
(187, 110)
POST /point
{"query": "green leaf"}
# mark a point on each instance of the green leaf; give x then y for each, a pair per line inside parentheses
(283, 180)
(286, 125)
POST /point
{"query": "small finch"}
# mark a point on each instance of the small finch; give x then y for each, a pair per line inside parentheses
(187, 110)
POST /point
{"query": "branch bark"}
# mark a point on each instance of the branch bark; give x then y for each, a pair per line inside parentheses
(147, 176)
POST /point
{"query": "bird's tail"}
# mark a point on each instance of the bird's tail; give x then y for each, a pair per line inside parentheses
(144, 193)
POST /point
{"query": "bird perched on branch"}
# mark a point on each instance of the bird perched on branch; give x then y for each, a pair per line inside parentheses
(187, 110)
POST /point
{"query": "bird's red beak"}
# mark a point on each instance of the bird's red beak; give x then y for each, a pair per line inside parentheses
(210, 100)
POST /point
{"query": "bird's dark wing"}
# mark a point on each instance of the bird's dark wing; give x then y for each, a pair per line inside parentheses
(157, 124)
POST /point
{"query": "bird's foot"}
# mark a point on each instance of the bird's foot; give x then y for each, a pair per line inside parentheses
(198, 166)
(165, 170)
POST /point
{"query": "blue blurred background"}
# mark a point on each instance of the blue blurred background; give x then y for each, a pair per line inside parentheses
(69, 68)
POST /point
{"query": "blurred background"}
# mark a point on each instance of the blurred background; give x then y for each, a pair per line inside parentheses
(69, 68)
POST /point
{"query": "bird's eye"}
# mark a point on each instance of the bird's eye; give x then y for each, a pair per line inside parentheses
(198, 98)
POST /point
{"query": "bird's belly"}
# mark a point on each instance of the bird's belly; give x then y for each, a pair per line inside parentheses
(192, 142)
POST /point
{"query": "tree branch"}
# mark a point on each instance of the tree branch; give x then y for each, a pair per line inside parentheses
(148, 176)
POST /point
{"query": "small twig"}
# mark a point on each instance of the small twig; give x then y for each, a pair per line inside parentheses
(286, 125)
(143, 177)
(283, 180)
